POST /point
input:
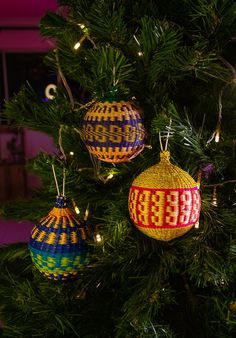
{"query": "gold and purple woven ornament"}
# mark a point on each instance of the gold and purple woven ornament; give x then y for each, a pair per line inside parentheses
(164, 200)
(113, 131)
(57, 243)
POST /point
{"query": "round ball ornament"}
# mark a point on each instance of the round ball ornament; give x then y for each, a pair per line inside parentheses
(57, 243)
(113, 131)
(164, 200)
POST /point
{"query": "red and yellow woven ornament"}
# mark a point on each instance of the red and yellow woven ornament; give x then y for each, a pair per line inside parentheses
(114, 131)
(164, 200)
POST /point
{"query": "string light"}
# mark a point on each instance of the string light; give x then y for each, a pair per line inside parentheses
(196, 225)
(84, 37)
(214, 201)
(98, 238)
(86, 213)
(72, 153)
(82, 26)
(77, 45)
(77, 211)
(76, 208)
(139, 53)
(223, 282)
(110, 176)
(217, 135)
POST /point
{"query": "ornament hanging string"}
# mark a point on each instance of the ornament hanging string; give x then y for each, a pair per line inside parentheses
(230, 67)
(56, 181)
(63, 79)
(61, 76)
(64, 182)
(216, 133)
(166, 136)
(60, 142)
(115, 82)
(161, 145)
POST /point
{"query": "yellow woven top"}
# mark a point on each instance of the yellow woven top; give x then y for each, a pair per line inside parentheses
(61, 212)
(164, 175)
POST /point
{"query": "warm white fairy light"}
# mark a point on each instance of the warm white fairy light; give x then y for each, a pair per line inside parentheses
(222, 282)
(72, 153)
(86, 213)
(77, 45)
(82, 26)
(110, 176)
(77, 211)
(196, 225)
(217, 136)
(214, 201)
(140, 53)
(98, 238)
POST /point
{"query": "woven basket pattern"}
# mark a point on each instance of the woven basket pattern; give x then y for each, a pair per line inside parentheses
(57, 243)
(114, 131)
(164, 201)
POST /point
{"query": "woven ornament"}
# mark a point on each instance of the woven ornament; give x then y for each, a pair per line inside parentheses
(57, 243)
(164, 200)
(114, 131)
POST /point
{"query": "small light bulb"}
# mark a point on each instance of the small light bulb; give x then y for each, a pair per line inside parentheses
(86, 214)
(196, 225)
(98, 238)
(77, 45)
(214, 200)
(77, 211)
(72, 153)
(140, 53)
(110, 176)
(217, 136)
(82, 26)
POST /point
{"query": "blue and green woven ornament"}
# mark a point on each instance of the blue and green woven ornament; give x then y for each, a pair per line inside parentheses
(57, 243)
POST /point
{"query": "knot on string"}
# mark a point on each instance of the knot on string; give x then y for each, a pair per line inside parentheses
(165, 156)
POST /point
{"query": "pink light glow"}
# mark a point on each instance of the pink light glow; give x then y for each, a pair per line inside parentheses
(26, 8)
(18, 15)
(23, 41)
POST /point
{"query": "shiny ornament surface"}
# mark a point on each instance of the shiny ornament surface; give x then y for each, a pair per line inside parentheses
(164, 200)
(114, 131)
(57, 243)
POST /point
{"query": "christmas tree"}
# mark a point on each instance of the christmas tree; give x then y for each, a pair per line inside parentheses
(170, 65)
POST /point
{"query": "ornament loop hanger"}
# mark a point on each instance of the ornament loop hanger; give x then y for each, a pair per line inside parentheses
(166, 136)
(216, 133)
(63, 181)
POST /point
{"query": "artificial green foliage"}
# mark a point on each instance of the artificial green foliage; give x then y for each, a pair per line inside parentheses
(175, 59)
